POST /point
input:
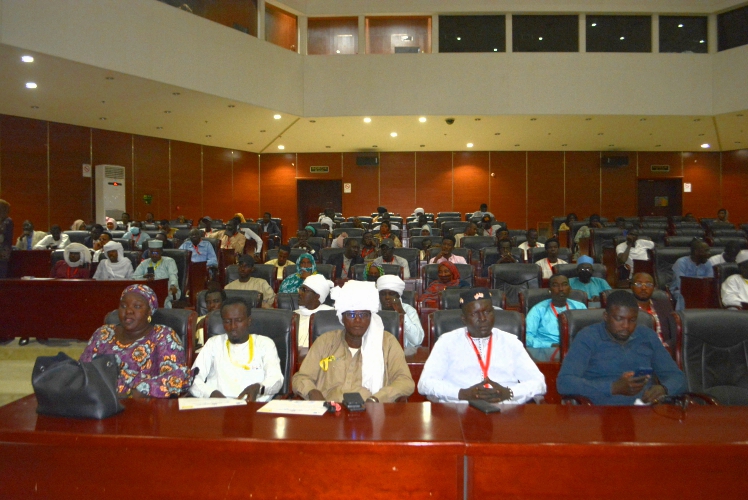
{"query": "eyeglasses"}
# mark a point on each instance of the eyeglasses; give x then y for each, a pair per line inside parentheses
(357, 314)
(639, 284)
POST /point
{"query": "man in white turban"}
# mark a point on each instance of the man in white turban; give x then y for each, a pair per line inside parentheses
(312, 295)
(360, 357)
(116, 266)
(391, 288)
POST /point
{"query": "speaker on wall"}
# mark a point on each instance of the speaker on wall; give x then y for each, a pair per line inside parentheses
(367, 161)
(614, 161)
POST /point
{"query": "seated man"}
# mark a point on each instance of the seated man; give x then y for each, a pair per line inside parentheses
(482, 212)
(202, 251)
(55, 240)
(385, 218)
(505, 252)
(642, 285)
(248, 234)
(488, 226)
(630, 250)
(159, 267)
(532, 242)
(551, 249)
(541, 324)
(284, 251)
(470, 230)
(386, 248)
(302, 240)
(166, 228)
(312, 295)
(98, 246)
(448, 243)
(735, 287)
(391, 289)
(603, 360)
(94, 236)
(124, 224)
(732, 249)
(362, 357)
(696, 265)
(214, 299)
(161, 236)
(115, 266)
(247, 282)
(268, 225)
(29, 238)
(722, 215)
(345, 261)
(136, 236)
(230, 237)
(327, 218)
(586, 282)
(75, 263)
(237, 364)
(502, 372)
(369, 246)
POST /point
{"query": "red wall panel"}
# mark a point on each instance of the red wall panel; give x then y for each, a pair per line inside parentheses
(186, 180)
(151, 175)
(364, 187)
(702, 170)
(71, 194)
(471, 179)
(735, 185)
(397, 187)
(647, 159)
(278, 189)
(114, 148)
(23, 164)
(508, 200)
(433, 182)
(619, 191)
(247, 184)
(545, 193)
(582, 181)
(218, 183)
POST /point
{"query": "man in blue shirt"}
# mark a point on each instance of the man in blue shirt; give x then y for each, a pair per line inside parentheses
(696, 265)
(202, 251)
(603, 361)
(585, 282)
(541, 323)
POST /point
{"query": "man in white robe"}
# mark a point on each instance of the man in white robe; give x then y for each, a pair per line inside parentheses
(735, 287)
(116, 266)
(163, 268)
(390, 290)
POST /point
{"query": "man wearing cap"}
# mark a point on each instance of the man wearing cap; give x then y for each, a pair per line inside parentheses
(735, 287)
(391, 288)
(386, 248)
(163, 268)
(312, 295)
(360, 357)
(247, 282)
(584, 280)
(489, 228)
(480, 361)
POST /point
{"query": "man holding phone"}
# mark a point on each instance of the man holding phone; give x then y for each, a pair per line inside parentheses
(618, 362)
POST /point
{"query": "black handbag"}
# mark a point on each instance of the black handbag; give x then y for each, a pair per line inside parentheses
(65, 387)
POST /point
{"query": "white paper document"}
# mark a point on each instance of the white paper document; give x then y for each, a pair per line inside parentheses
(200, 403)
(291, 407)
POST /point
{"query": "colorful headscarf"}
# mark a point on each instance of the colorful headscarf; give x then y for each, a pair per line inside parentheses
(145, 292)
(311, 230)
(367, 270)
(436, 286)
(293, 282)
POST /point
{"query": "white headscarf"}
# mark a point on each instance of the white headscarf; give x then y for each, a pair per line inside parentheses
(119, 268)
(419, 211)
(363, 296)
(320, 285)
(84, 252)
(391, 282)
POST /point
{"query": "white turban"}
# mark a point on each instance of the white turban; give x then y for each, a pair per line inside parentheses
(742, 257)
(84, 252)
(320, 285)
(391, 282)
(419, 211)
(363, 296)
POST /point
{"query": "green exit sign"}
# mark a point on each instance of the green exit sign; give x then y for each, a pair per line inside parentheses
(319, 170)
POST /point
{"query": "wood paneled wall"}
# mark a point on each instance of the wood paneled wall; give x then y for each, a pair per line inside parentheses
(40, 175)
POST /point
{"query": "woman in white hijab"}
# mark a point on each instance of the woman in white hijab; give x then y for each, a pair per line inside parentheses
(312, 295)
(116, 266)
(75, 264)
(360, 357)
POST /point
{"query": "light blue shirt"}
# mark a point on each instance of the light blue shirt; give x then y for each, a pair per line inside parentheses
(686, 267)
(541, 324)
(593, 289)
(134, 238)
(203, 253)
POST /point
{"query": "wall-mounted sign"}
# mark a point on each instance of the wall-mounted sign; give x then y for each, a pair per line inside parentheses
(147, 199)
(319, 170)
(660, 168)
(86, 170)
(686, 187)
(347, 188)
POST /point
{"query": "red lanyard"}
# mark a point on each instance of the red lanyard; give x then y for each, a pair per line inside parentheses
(555, 312)
(74, 274)
(483, 366)
(658, 329)
(196, 250)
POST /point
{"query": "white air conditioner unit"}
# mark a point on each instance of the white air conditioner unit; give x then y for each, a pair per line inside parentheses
(110, 192)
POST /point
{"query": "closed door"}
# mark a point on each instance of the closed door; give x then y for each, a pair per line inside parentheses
(315, 196)
(660, 197)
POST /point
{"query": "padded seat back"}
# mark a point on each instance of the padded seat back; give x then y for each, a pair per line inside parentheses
(512, 278)
(408, 297)
(570, 270)
(722, 241)
(714, 353)
(365, 219)
(696, 232)
(657, 295)
(417, 241)
(323, 269)
(265, 272)
(679, 241)
(576, 226)
(58, 255)
(490, 256)
(315, 242)
(430, 272)
(276, 324)
(350, 231)
(446, 320)
(412, 255)
(476, 243)
(556, 223)
(253, 226)
(326, 321)
(77, 236)
(603, 238)
(253, 298)
(570, 323)
(656, 235)
(293, 256)
(326, 253)
(458, 225)
(396, 232)
(736, 233)
(664, 258)
(450, 298)
(531, 297)
(288, 301)
(724, 271)
(393, 269)
(182, 259)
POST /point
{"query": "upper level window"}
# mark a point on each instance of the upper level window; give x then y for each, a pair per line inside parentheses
(545, 33)
(733, 28)
(472, 33)
(281, 28)
(332, 35)
(683, 34)
(396, 35)
(619, 34)
(241, 15)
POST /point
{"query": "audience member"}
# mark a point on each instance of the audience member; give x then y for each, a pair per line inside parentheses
(482, 212)
(75, 263)
(115, 266)
(551, 250)
(55, 240)
(78, 225)
(696, 265)
(29, 238)
(732, 249)
(425, 230)
(247, 282)
(312, 296)
(603, 361)
(237, 364)
(448, 277)
(214, 299)
(202, 251)
(425, 246)
(660, 308)
(386, 248)
(136, 236)
(505, 252)
(386, 218)
(284, 251)
(160, 236)
(160, 267)
(385, 234)
(98, 247)
(362, 357)
(532, 242)
(110, 223)
(368, 246)
(372, 271)
(357, 223)
(230, 237)
(448, 243)
(634, 248)
(302, 240)
(345, 261)
(470, 230)
(735, 287)
(268, 225)
(502, 372)
(6, 237)
(149, 218)
(566, 225)
(94, 236)
(305, 267)
(166, 228)
(722, 215)
(489, 227)
(125, 222)
(391, 289)
(151, 357)
(326, 219)
(248, 234)
(689, 218)
(586, 282)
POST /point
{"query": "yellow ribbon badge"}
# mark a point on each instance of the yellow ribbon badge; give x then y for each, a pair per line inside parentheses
(325, 363)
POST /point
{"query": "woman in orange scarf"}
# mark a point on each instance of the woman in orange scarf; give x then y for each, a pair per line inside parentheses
(449, 277)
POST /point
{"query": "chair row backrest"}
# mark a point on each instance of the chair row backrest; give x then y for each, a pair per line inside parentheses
(513, 278)
(570, 270)
(391, 269)
(417, 241)
(253, 298)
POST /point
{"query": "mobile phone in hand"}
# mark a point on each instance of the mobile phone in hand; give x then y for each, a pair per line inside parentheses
(643, 372)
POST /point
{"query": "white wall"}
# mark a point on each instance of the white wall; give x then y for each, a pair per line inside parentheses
(730, 80)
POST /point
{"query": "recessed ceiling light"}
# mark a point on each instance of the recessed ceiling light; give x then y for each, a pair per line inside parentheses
(208, 136)
(477, 119)
(281, 146)
(422, 119)
(337, 52)
(533, 119)
(328, 147)
(250, 143)
(702, 41)
(540, 38)
(34, 107)
(701, 135)
(739, 115)
(470, 144)
(737, 142)
(697, 119)
(705, 146)
(611, 145)
(680, 25)
(516, 145)
(658, 145)
(27, 59)
(176, 93)
(30, 85)
(622, 38)
(495, 50)
(564, 145)
(593, 24)
(642, 119)
(497, 133)
(167, 112)
(587, 119)
(159, 128)
(277, 117)
(393, 134)
(459, 38)
(374, 146)
(599, 133)
(423, 145)
(232, 105)
(262, 131)
(312, 121)
(102, 118)
(367, 120)
(110, 78)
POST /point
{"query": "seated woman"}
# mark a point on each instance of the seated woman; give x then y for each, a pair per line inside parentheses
(312, 295)
(384, 232)
(151, 357)
(305, 267)
(75, 264)
(78, 225)
(372, 272)
(116, 266)
(566, 226)
(369, 247)
(449, 277)
(362, 357)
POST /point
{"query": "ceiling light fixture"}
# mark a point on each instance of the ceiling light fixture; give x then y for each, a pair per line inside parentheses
(250, 143)
(680, 25)
(102, 118)
(497, 133)
(337, 52)
(393, 134)
(277, 117)
(27, 59)
(540, 38)
(167, 112)
(328, 147)
(702, 41)
(459, 38)
(375, 146)
(232, 105)
(281, 146)
(564, 145)
(312, 121)
(470, 144)
(367, 120)
(30, 85)
(34, 107)
(208, 136)
(422, 119)
(423, 145)
(262, 131)
(176, 93)
(533, 119)
(658, 145)
(516, 145)
(622, 38)
(159, 128)
(110, 78)
(593, 24)
(705, 146)
(495, 50)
